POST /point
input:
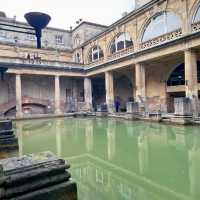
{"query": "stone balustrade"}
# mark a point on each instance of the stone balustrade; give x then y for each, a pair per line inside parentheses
(161, 39)
(114, 56)
(38, 62)
(196, 27)
(121, 53)
(97, 62)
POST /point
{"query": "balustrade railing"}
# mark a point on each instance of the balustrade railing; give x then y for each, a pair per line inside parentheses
(161, 39)
(196, 27)
(121, 53)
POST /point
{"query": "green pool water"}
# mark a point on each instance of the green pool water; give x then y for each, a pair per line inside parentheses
(120, 160)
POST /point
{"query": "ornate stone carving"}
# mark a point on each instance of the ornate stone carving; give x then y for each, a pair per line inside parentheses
(196, 27)
(161, 39)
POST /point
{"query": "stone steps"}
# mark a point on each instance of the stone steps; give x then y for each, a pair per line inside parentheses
(38, 176)
(8, 140)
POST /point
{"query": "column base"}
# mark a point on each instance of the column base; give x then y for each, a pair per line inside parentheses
(111, 108)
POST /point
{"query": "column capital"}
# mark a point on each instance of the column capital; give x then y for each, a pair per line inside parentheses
(191, 50)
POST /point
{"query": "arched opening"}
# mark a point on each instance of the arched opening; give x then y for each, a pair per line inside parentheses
(160, 24)
(28, 109)
(121, 42)
(98, 92)
(177, 78)
(77, 40)
(95, 54)
(123, 91)
(197, 16)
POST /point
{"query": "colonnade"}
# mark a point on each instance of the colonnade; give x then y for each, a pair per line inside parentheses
(191, 85)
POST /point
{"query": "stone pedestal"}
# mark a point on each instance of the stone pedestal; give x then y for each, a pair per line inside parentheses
(183, 107)
(132, 107)
(40, 176)
(183, 111)
(8, 140)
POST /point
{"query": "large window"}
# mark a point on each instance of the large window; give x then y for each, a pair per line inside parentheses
(95, 54)
(197, 16)
(161, 24)
(121, 42)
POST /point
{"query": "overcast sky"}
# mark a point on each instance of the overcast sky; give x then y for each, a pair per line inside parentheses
(65, 13)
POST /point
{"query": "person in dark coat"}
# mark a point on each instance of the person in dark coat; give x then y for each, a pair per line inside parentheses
(117, 104)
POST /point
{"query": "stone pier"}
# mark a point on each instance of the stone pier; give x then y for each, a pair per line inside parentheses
(36, 176)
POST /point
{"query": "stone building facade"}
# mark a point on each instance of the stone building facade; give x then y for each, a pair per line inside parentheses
(150, 57)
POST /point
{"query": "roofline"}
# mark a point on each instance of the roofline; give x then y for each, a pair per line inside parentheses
(124, 19)
(91, 24)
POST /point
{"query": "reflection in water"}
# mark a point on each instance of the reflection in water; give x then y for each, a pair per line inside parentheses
(118, 160)
(111, 139)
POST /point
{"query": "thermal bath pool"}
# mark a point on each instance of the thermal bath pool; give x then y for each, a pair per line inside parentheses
(120, 160)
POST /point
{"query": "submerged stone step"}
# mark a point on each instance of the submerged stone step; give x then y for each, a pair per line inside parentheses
(28, 176)
(7, 132)
(5, 125)
(8, 141)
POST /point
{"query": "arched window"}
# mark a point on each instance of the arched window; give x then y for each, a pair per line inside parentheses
(77, 58)
(161, 24)
(121, 42)
(95, 54)
(77, 40)
(197, 16)
(177, 77)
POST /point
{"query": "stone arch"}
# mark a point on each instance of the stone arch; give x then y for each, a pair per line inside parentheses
(155, 15)
(177, 75)
(10, 107)
(123, 88)
(89, 51)
(193, 11)
(118, 33)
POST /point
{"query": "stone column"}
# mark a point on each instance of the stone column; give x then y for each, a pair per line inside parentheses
(191, 89)
(57, 95)
(109, 91)
(140, 82)
(18, 91)
(88, 93)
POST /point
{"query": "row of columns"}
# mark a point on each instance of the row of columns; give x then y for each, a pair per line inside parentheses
(190, 77)
(191, 86)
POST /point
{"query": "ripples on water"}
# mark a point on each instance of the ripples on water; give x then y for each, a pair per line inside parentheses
(120, 160)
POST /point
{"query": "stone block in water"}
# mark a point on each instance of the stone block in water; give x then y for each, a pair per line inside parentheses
(35, 176)
(132, 107)
(5, 125)
(183, 106)
(8, 140)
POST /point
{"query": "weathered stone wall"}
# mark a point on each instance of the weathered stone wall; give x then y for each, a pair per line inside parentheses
(38, 93)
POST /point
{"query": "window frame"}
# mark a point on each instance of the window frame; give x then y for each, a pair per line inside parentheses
(59, 39)
(95, 50)
(115, 44)
(148, 33)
